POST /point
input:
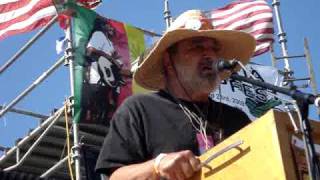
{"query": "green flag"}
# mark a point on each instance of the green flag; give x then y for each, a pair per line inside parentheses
(104, 50)
(83, 22)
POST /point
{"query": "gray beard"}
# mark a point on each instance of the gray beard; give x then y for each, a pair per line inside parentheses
(205, 83)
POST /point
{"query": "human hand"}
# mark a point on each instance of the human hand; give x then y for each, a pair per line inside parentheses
(115, 55)
(178, 165)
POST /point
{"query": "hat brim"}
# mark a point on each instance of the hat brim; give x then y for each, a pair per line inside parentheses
(234, 45)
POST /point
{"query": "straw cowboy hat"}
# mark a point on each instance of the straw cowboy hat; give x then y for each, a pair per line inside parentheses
(193, 23)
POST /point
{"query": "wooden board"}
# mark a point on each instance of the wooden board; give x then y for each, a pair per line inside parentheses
(266, 151)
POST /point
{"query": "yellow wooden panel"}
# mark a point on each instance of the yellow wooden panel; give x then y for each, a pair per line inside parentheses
(259, 157)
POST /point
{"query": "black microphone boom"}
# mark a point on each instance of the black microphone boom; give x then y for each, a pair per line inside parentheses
(222, 65)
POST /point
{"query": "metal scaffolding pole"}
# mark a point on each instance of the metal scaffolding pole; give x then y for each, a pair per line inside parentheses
(273, 57)
(32, 86)
(31, 135)
(282, 41)
(70, 59)
(27, 113)
(167, 13)
(54, 168)
(311, 71)
(281, 35)
(20, 161)
(28, 44)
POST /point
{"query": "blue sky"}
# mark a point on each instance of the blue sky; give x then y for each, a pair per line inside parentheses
(299, 20)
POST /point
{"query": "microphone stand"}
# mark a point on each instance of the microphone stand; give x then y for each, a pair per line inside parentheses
(303, 100)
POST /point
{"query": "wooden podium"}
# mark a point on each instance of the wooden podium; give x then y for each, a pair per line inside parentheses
(268, 151)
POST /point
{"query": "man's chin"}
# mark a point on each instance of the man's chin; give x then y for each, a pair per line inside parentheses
(207, 73)
(212, 85)
(207, 88)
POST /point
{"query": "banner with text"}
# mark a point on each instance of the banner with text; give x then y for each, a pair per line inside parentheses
(253, 100)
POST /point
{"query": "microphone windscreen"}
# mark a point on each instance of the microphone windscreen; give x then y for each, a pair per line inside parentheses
(222, 65)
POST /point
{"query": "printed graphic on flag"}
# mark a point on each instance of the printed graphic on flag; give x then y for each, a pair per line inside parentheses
(254, 17)
(104, 52)
(24, 16)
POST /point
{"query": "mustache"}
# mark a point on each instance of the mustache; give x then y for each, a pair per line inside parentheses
(206, 62)
(209, 63)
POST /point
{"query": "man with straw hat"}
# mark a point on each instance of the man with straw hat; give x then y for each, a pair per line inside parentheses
(161, 134)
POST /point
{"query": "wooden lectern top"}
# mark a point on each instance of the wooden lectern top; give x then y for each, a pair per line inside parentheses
(266, 151)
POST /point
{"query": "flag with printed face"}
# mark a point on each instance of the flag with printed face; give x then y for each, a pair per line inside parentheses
(104, 52)
(254, 17)
(18, 16)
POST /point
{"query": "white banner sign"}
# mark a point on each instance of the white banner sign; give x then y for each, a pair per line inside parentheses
(253, 100)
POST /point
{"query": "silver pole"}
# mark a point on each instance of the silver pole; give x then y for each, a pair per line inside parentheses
(281, 35)
(18, 155)
(30, 136)
(70, 59)
(27, 113)
(33, 145)
(167, 13)
(311, 71)
(28, 44)
(76, 150)
(32, 86)
(54, 168)
(273, 57)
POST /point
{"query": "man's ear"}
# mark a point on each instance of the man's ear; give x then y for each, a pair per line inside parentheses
(166, 60)
(167, 64)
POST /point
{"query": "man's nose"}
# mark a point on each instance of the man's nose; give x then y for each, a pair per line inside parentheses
(209, 54)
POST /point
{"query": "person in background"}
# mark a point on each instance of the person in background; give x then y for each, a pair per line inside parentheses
(104, 76)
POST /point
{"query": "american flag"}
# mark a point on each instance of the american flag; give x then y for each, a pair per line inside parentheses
(18, 16)
(254, 17)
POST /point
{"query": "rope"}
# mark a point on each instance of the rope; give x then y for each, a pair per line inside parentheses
(68, 142)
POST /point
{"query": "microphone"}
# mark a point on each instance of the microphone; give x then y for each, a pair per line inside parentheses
(222, 65)
(317, 101)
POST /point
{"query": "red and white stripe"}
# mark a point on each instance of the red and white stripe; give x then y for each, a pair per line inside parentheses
(254, 17)
(18, 16)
